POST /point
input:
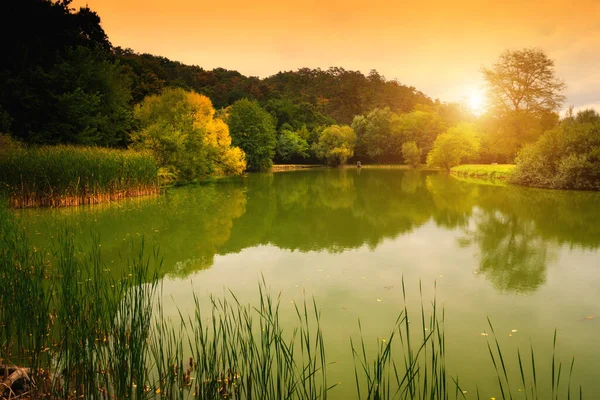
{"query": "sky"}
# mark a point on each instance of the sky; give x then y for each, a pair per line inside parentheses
(437, 46)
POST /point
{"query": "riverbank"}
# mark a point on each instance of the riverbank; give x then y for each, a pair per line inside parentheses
(291, 167)
(492, 172)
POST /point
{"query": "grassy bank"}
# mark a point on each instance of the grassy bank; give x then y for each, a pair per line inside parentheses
(82, 332)
(290, 167)
(500, 172)
(57, 176)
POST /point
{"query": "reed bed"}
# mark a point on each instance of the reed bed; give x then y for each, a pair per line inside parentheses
(59, 176)
(78, 331)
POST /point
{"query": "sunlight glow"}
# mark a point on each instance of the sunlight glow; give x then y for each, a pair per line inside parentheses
(477, 102)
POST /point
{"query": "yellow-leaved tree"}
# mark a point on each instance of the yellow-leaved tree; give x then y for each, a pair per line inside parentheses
(181, 130)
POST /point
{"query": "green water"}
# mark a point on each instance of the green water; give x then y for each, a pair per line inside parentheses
(527, 259)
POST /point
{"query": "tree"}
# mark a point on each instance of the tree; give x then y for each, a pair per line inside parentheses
(336, 144)
(453, 146)
(374, 133)
(180, 129)
(411, 154)
(290, 144)
(524, 81)
(59, 82)
(524, 96)
(253, 130)
(421, 126)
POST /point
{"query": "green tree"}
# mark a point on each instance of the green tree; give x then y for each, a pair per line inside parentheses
(421, 126)
(524, 96)
(453, 146)
(374, 133)
(291, 144)
(411, 154)
(180, 129)
(253, 130)
(336, 144)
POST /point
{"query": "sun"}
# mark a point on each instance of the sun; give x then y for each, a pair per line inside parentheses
(476, 101)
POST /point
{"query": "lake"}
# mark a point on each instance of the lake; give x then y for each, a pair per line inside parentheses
(526, 258)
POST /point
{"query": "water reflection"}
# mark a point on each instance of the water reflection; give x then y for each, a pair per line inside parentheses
(513, 230)
(512, 255)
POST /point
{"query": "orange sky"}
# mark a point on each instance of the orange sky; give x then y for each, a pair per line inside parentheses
(437, 46)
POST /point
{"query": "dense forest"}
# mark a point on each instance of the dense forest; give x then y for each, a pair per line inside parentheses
(62, 82)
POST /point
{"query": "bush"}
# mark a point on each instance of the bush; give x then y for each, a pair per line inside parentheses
(454, 145)
(567, 157)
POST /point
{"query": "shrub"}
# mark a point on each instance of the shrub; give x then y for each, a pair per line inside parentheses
(453, 146)
(567, 157)
(179, 128)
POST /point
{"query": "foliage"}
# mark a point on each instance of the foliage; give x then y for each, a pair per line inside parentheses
(296, 115)
(343, 94)
(253, 130)
(524, 96)
(524, 81)
(421, 126)
(454, 145)
(381, 133)
(60, 83)
(292, 144)
(7, 143)
(336, 144)
(374, 133)
(68, 175)
(411, 154)
(567, 157)
(307, 96)
(179, 128)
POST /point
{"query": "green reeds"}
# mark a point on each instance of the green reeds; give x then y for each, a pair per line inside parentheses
(409, 363)
(241, 352)
(528, 386)
(56, 176)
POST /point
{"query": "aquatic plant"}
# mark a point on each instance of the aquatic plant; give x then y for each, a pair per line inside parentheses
(56, 176)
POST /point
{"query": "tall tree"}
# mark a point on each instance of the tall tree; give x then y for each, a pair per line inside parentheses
(253, 130)
(58, 80)
(524, 96)
(524, 81)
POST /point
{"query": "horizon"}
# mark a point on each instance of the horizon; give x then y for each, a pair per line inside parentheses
(439, 48)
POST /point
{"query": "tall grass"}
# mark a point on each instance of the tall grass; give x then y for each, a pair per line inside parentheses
(409, 363)
(57, 176)
(85, 333)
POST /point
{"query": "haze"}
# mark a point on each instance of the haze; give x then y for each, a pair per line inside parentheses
(436, 46)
